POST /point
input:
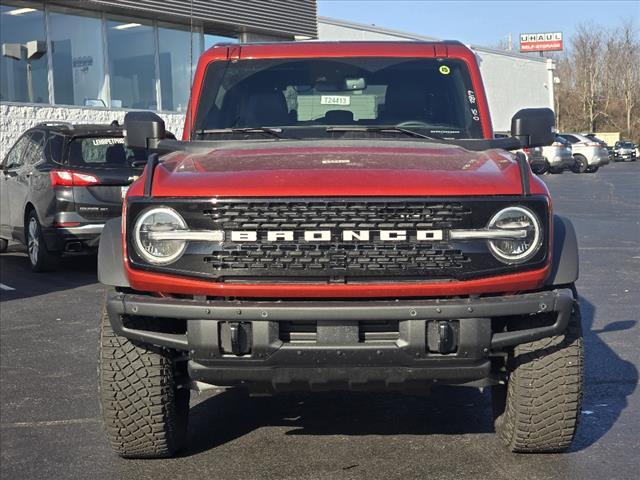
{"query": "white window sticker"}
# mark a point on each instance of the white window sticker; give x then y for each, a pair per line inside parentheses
(107, 141)
(335, 100)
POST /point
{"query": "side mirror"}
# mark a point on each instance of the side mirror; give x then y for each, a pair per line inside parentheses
(534, 127)
(143, 130)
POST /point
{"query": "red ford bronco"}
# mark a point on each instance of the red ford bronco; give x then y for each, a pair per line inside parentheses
(339, 216)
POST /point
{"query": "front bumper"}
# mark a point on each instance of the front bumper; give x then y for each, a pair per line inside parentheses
(628, 155)
(335, 351)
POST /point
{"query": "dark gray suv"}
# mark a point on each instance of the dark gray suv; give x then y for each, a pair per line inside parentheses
(60, 183)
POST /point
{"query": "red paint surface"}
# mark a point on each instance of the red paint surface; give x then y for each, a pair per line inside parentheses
(313, 171)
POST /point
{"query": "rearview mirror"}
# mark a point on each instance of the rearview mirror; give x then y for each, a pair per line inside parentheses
(143, 130)
(534, 127)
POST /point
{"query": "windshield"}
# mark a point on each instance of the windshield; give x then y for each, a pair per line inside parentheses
(104, 152)
(433, 96)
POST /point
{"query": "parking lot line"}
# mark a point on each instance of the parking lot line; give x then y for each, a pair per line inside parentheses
(5, 287)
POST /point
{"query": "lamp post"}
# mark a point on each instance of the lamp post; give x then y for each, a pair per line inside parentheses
(30, 51)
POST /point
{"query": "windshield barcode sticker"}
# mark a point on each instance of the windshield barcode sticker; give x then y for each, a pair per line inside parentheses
(335, 100)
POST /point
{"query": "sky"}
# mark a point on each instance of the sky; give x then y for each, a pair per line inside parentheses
(483, 23)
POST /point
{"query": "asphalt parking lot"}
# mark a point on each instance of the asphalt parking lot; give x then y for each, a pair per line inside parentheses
(49, 415)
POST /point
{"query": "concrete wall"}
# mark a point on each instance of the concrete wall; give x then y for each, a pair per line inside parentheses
(16, 118)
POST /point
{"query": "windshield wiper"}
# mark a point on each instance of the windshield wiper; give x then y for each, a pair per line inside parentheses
(274, 132)
(382, 129)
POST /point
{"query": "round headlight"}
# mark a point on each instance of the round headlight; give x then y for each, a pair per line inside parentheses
(522, 236)
(156, 250)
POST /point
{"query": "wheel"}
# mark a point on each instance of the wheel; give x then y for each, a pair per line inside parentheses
(593, 169)
(145, 412)
(539, 408)
(540, 168)
(40, 259)
(3, 245)
(581, 164)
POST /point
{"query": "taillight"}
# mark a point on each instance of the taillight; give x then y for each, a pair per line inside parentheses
(526, 150)
(591, 144)
(68, 178)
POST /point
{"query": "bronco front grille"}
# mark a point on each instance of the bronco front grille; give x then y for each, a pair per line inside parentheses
(335, 259)
(357, 214)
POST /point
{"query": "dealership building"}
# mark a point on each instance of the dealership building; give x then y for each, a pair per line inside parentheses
(91, 61)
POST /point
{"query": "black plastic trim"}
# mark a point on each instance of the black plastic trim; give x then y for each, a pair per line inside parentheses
(565, 262)
(210, 312)
(152, 162)
(524, 173)
(110, 255)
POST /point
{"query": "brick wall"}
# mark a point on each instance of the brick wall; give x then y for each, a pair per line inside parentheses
(16, 118)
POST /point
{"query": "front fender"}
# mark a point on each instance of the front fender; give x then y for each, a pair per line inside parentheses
(111, 256)
(565, 261)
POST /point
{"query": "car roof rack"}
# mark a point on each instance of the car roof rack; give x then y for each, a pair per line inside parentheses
(69, 125)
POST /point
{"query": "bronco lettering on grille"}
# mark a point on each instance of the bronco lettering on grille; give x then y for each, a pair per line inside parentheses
(344, 235)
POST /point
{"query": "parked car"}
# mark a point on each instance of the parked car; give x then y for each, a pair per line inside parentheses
(559, 155)
(609, 148)
(624, 151)
(60, 184)
(277, 248)
(539, 165)
(589, 154)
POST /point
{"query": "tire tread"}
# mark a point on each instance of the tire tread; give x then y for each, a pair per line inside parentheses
(145, 415)
(544, 393)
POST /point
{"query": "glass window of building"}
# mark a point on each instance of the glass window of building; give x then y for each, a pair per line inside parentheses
(211, 40)
(23, 71)
(177, 65)
(132, 66)
(78, 60)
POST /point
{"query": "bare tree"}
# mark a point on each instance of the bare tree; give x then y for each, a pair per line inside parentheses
(599, 87)
(588, 68)
(629, 71)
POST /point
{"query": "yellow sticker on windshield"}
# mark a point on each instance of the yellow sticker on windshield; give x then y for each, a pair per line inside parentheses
(444, 70)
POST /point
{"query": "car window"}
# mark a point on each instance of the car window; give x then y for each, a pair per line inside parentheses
(54, 147)
(34, 149)
(14, 158)
(431, 94)
(571, 138)
(104, 152)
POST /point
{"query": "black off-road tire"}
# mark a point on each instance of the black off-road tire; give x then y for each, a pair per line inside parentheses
(3, 245)
(539, 408)
(145, 413)
(580, 165)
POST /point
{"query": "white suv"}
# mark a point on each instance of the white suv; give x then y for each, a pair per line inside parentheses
(589, 154)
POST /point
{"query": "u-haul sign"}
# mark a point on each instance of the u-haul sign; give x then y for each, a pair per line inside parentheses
(540, 42)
